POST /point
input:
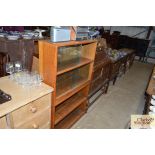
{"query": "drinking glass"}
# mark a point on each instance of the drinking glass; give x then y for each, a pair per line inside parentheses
(10, 68)
(38, 79)
(18, 66)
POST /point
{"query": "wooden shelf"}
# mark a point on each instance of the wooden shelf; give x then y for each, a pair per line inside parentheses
(68, 84)
(69, 120)
(72, 65)
(70, 92)
(68, 106)
(70, 43)
(67, 67)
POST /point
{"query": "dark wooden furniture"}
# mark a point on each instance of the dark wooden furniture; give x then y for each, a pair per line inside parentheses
(115, 70)
(150, 90)
(101, 72)
(139, 45)
(100, 76)
(4, 58)
(21, 50)
(130, 57)
(120, 66)
(117, 41)
(67, 67)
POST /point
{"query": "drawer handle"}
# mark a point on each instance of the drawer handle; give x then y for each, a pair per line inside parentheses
(35, 126)
(33, 109)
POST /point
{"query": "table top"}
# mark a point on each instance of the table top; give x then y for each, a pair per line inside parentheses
(127, 50)
(151, 86)
(20, 95)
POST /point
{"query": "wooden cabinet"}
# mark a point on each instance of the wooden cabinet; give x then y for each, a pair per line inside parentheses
(30, 107)
(101, 72)
(67, 67)
(38, 121)
(3, 123)
(33, 115)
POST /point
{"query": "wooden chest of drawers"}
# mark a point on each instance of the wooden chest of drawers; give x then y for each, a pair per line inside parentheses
(3, 123)
(23, 111)
(33, 115)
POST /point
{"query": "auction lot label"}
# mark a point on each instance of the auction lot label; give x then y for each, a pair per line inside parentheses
(142, 121)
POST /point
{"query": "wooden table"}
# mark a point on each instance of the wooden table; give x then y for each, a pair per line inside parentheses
(29, 108)
(115, 68)
(122, 64)
(130, 56)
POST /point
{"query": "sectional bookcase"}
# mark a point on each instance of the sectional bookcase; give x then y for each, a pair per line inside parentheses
(67, 67)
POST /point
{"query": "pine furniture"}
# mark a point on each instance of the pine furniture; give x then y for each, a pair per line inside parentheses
(30, 107)
(67, 67)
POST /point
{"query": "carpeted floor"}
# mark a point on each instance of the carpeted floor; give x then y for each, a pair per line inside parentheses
(126, 97)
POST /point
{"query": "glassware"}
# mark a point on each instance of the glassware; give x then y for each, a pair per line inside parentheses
(10, 68)
(38, 79)
(18, 66)
(26, 78)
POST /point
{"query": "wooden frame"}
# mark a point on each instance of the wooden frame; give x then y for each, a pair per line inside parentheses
(66, 108)
(101, 72)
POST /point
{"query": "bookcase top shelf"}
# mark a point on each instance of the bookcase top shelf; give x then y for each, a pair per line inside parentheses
(69, 43)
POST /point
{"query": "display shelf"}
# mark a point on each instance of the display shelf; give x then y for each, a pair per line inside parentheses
(71, 79)
(67, 67)
(68, 121)
(68, 106)
(72, 65)
(71, 43)
(71, 92)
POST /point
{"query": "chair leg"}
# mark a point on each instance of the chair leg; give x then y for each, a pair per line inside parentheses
(107, 88)
(114, 81)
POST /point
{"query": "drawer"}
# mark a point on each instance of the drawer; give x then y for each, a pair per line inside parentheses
(30, 110)
(3, 123)
(46, 126)
(40, 121)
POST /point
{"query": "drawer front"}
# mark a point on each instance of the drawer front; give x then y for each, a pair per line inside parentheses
(3, 123)
(31, 110)
(40, 121)
(46, 126)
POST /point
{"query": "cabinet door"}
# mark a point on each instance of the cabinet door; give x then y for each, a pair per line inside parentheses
(3, 123)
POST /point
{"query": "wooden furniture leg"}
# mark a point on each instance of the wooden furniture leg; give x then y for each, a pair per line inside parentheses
(114, 81)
